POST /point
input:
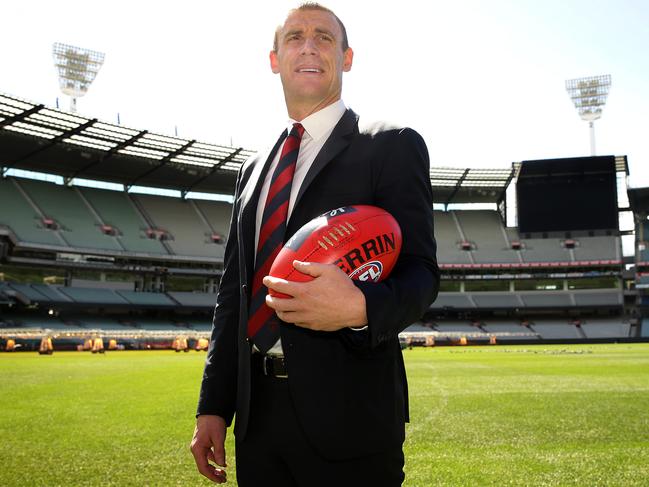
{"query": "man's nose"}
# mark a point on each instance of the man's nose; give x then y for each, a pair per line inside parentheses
(309, 46)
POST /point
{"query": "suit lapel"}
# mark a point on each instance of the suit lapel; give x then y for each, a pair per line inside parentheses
(337, 141)
(250, 199)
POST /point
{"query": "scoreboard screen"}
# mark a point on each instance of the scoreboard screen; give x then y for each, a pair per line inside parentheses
(567, 195)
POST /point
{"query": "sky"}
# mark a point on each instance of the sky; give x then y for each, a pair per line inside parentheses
(482, 81)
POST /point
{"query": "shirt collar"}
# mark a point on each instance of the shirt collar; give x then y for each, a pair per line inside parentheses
(322, 122)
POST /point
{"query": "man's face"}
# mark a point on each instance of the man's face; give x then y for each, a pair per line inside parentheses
(310, 59)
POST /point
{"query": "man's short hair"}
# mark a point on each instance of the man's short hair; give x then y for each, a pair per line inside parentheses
(314, 6)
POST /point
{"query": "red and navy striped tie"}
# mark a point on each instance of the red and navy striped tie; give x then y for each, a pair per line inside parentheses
(263, 324)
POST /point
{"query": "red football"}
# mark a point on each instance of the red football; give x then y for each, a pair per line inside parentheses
(364, 241)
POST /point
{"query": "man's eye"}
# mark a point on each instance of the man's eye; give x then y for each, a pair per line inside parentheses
(325, 38)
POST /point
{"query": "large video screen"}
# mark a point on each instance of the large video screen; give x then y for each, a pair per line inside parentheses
(567, 195)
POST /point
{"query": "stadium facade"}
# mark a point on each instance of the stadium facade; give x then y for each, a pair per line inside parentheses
(141, 270)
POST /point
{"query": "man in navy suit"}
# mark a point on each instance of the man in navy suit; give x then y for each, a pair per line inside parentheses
(326, 403)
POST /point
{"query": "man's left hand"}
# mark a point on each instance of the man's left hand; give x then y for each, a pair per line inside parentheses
(327, 303)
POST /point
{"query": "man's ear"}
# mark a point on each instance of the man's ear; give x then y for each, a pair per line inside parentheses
(274, 62)
(348, 58)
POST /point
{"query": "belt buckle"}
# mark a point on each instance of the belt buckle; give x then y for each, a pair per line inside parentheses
(265, 370)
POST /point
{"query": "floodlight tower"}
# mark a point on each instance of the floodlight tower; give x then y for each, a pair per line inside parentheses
(589, 96)
(77, 69)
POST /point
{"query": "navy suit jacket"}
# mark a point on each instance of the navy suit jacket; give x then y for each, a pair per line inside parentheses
(348, 387)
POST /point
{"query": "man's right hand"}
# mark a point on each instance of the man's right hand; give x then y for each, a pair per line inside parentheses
(208, 445)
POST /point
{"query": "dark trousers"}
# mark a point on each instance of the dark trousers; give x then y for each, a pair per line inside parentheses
(275, 451)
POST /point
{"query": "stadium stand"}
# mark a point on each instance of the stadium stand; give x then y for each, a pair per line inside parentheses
(544, 250)
(162, 243)
(77, 225)
(484, 228)
(555, 329)
(217, 213)
(598, 248)
(188, 233)
(117, 210)
(90, 296)
(193, 299)
(598, 297)
(146, 299)
(448, 326)
(542, 299)
(449, 239)
(508, 330)
(605, 328)
(24, 219)
(494, 300)
(452, 300)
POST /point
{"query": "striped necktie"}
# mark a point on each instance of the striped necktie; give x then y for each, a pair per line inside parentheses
(263, 324)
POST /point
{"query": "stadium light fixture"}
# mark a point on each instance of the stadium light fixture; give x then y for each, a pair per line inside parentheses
(589, 96)
(77, 68)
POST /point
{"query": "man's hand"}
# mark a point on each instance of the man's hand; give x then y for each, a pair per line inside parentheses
(208, 445)
(327, 303)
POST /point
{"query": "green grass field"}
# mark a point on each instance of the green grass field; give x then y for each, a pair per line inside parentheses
(520, 415)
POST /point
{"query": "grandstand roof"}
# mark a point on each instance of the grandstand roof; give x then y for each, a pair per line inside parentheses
(37, 138)
(455, 185)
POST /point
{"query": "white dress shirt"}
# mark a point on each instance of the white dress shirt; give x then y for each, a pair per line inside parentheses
(317, 129)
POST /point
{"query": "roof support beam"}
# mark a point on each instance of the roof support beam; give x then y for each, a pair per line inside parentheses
(162, 162)
(456, 189)
(212, 170)
(110, 153)
(57, 140)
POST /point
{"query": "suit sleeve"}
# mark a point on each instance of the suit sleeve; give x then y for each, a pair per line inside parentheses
(219, 386)
(402, 187)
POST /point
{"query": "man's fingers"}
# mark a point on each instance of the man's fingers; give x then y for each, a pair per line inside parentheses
(280, 285)
(201, 456)
(312, 269)
(218, 455)
(281, 304)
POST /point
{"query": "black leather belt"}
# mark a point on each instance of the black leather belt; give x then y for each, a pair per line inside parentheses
(269, 365)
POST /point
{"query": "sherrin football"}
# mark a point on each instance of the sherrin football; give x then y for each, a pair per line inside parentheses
(364, 241)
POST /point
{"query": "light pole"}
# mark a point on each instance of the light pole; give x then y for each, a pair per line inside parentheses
(589, 96)
(77, 70)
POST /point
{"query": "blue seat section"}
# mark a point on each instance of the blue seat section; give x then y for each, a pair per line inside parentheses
(218, 213)
(605, 328)
(452, 300)
(29, 292)
(116, 209)
(448, 238)
(189, 234)
(540, 299)
(93, 295)
(202, 300)
(20, 217)
(555, 329)
(484, 229)
(79, 227)
(52, 293)
(146, 299)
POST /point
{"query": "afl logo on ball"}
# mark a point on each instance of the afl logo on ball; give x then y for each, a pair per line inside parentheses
(371, 271)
